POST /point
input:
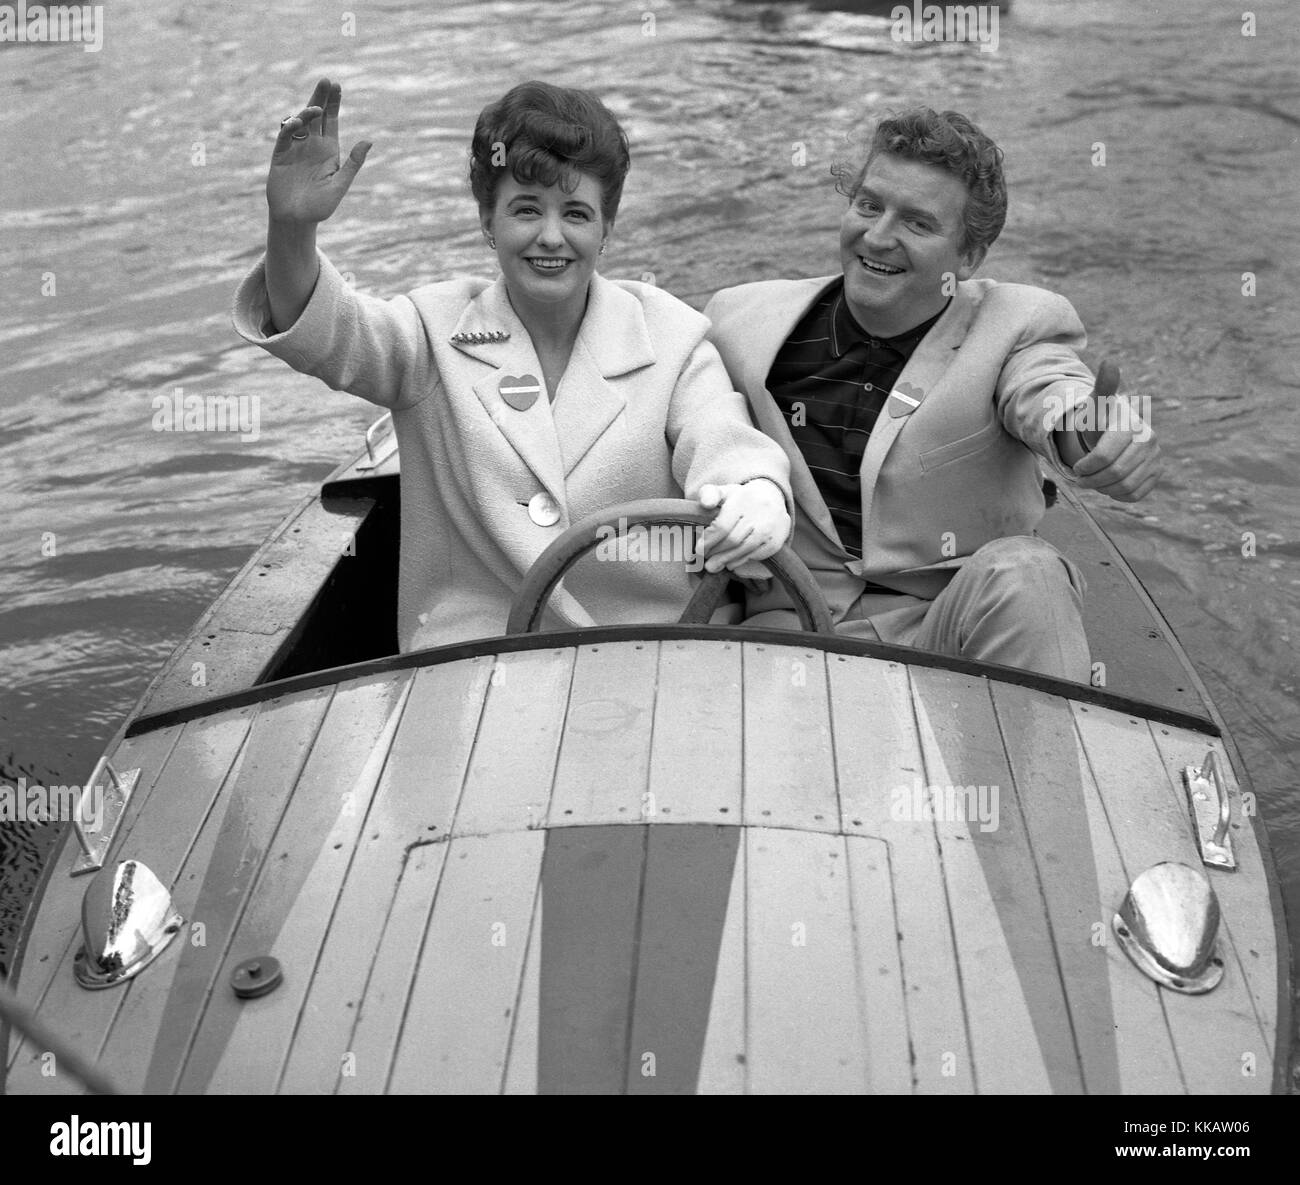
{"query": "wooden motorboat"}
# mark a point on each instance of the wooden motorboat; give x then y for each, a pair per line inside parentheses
(653, 859)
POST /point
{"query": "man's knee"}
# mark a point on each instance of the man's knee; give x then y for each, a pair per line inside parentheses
(1017, 560)
(1018, 602)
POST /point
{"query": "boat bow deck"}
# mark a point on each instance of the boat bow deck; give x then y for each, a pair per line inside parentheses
(661, 864)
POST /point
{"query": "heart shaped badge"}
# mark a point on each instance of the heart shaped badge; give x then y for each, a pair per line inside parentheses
(904, 399)
(522, 392)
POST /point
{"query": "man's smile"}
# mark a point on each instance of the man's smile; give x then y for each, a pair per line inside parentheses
(878, 268)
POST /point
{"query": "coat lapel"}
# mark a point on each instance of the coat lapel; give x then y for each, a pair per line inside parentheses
(924, 369)
(531, 432)
(613, 340)
(771, 323)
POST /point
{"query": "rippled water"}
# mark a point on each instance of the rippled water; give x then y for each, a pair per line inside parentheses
(133, 178)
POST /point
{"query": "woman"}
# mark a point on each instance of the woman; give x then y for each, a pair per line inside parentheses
(524, 405)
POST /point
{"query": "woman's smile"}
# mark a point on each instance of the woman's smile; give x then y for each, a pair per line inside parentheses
(548, 239)
(548, 265)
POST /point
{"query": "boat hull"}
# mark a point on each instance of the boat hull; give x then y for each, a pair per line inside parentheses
(684, 861)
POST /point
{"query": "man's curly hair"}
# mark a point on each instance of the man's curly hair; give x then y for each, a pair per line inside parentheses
(947, 139)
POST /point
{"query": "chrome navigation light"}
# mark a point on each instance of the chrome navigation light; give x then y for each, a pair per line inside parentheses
(127, 920)
(1168, 925)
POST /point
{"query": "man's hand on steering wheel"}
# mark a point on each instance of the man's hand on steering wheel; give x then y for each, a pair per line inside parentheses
(751, 524)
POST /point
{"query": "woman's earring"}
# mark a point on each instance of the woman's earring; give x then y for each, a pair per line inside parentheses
(492, 242)
(602, 249)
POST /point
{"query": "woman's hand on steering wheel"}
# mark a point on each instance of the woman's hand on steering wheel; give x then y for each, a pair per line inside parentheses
(549, 569)
(752, 523)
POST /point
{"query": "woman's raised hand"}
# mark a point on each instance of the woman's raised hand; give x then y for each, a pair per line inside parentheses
(306, 181)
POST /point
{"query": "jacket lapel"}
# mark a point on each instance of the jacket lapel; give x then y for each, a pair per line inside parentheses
(613, 340)
(771, 323)
(531, 432)
(924, 369)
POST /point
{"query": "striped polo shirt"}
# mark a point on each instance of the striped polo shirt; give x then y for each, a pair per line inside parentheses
(830, 380)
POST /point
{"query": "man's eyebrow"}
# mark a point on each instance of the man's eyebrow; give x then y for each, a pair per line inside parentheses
(907, 209)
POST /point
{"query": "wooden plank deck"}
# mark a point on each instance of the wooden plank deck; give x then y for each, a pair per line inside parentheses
(455, 1034)
(323, 818)
(685, 893)
(1147, 1046)
(1007, 944)
(1038, 733)
(877, 752)
(1249, 941)
(591, 869)
(413, 803)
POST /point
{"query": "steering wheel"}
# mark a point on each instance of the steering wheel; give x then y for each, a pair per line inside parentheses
(564, 552)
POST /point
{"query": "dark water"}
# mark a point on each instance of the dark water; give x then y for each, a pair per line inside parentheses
(134, 177)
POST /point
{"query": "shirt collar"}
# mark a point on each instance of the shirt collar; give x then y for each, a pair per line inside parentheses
(846, 332)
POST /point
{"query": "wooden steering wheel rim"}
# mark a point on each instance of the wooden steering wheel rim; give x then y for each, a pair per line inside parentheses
(550, 567)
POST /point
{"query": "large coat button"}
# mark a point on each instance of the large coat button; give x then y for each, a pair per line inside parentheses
(543, 510)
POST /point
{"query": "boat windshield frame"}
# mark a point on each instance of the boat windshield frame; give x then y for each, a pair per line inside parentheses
(652, 632)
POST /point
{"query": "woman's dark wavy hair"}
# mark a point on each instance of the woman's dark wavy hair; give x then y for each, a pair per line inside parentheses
(952, 142)
(550, 135)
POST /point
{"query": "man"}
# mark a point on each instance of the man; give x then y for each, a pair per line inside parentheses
(914, 404)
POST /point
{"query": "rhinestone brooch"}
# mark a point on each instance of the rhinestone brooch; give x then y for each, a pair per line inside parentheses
(478, 339)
